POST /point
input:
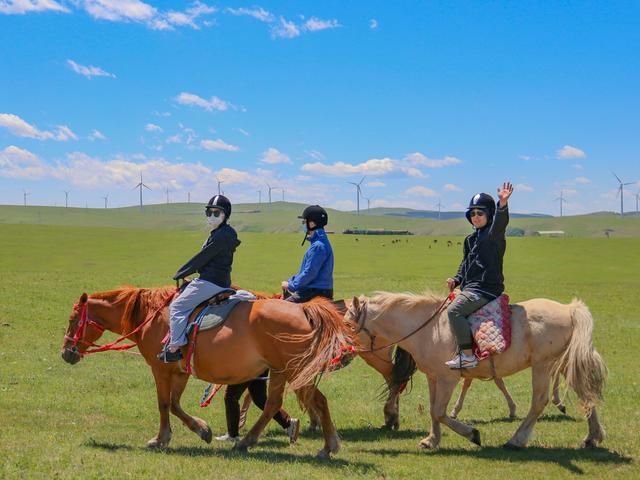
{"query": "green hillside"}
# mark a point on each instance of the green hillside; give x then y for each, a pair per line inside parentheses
(282, 217)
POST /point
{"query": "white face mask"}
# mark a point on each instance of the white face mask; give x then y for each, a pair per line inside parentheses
(214, 222)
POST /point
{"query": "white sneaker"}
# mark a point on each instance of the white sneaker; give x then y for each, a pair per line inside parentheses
(227, 438)
(462, 361)
(293, 430)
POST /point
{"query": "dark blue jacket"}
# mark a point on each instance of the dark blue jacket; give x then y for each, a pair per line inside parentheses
(213, 262)
(481, 268)
(316, 270)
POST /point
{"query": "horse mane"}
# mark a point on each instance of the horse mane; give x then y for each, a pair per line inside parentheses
(136, 301)
(405, 300)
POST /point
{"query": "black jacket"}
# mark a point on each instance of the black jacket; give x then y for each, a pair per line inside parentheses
(481, 268)
(213, 262)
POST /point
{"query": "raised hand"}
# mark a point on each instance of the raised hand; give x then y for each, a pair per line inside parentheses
(504, 193)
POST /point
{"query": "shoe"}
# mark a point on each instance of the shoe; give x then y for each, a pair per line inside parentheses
(462, 361)
(293, 430)
(227, 438)
(165, 356)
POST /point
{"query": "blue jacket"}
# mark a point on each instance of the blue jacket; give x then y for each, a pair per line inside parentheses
(316, 270)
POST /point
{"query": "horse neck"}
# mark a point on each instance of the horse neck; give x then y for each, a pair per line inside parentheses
(107, 313)
(397, 322)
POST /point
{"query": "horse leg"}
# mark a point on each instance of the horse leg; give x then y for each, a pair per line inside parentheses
(392, 409)
(444, 390)
(163, 391)
(596, 432)
(384, 366)
(246, 403)
(557, 401)
(503, 388)
(540, 380)
(274, 402)
(331, 439)
(433, 439)
(460, 402)
(195, 424)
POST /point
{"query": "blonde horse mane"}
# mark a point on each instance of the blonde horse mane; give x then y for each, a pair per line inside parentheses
(386, 301)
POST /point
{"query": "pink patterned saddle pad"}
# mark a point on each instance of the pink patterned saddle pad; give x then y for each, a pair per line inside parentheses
(491, 327)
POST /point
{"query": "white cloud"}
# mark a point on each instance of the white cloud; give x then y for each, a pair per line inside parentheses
(524, 157)
(16, 162)
(373, 24)
(346, 205)
(523, 187)
(420, 190)
(20, 7)
(218, 145)
(119, 10)
(376, 183)
(20, 128)
(152, 127)
(315, 154)
(189, 16)
(258, 13)
(581, 181)
(577, 166)
(374, 167)
(244, 132)
(214, 103)
(88, 71)
(162, 114)
(97, 135)
(177, 138)
(285, 29)
(570, 152)
(450, 187)
(274, 156)
(418, 158)
(317, 24)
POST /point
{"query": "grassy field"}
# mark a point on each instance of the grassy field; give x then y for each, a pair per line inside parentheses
(93, 419)
(281, 217)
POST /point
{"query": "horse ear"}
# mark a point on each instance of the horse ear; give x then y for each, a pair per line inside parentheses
(83, 298)
(356, 303)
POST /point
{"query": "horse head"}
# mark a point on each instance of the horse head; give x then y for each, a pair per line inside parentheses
(78, 337)
(357, 313)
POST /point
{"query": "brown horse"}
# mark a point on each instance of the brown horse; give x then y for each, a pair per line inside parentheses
(295, 342)
(551, 338)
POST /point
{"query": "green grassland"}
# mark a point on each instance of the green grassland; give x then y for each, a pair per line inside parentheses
(93, 419)
(281, 217)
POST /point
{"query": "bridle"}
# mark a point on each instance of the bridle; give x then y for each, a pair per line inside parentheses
(84, 321)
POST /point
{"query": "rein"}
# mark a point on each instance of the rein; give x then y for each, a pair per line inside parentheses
(442, 306)
(84, 321)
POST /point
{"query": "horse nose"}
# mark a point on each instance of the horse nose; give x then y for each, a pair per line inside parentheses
(71, 355)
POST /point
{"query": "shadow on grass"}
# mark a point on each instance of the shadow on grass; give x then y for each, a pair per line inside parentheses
(270, 456)
(556, 418)
(562, 457)
(375, 434)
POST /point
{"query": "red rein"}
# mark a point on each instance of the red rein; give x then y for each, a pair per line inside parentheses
(84, 321)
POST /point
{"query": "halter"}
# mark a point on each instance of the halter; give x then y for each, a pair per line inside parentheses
(82, 326)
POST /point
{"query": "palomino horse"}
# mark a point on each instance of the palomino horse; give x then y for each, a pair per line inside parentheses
(295, 342)
(551, 338)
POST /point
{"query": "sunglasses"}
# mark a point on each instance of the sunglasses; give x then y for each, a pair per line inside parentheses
(478, 213)
(215, 212)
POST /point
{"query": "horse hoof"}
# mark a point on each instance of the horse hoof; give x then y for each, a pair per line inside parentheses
(589, 443)
(324, 454)
(206, 434)
(240, 447)
(426, 445)
(562, 409)
(512, 416)
(453, 415)
(512, 447)
(475, 437)
(155, 444)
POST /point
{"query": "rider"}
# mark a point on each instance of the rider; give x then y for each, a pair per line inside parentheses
(213, 263)
(480, 273)
(315, 277)
(258, 391)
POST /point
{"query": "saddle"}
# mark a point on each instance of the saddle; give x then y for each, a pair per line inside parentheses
(214, 312)
(491, 327)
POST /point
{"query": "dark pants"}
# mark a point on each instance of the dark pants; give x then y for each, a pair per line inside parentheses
(258, 390)
(464, 305)
(306, 295)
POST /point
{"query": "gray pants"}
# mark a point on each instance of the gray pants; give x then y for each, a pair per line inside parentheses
(464, 305)
(193, 295)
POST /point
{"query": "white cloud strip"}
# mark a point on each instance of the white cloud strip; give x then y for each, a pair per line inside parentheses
(273, 156)
(20, 128)
(214, 103)
(89, 70)
(218, 145)
(568, 152)
(20, 7)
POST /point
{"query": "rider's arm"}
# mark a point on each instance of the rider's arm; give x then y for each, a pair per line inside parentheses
(310, 268)
(203, 257)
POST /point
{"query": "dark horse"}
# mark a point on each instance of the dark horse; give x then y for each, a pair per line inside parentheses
(294, 341)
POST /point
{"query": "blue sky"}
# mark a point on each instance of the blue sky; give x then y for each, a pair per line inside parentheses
(431, 101)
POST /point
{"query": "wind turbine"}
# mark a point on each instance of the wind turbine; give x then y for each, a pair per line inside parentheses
(269, 187)
(167, 192)
(621, 192)
(66, 198)
(188, 197)
(358, 193)
(368, 202)
(439, 205)
(282, 194)
(25, 195)
(259, 197)
(141, 185)
(220, 182)
(637, 196)
(561, 200)
(106, 200)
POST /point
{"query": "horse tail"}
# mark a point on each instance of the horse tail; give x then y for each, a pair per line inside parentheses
(404, 366)
(327, 339)
(581, 365)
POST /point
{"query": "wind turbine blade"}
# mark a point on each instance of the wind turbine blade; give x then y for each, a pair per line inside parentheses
(617, 177)
(362, 180)
(137, 186)
(146, 186)
(629, 183)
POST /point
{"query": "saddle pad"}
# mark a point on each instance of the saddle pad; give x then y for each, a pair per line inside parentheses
(213, 316)
(491, 327)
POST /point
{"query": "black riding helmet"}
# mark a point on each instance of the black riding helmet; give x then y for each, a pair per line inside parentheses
(221, 202)
(482, 201)
(315, 214)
